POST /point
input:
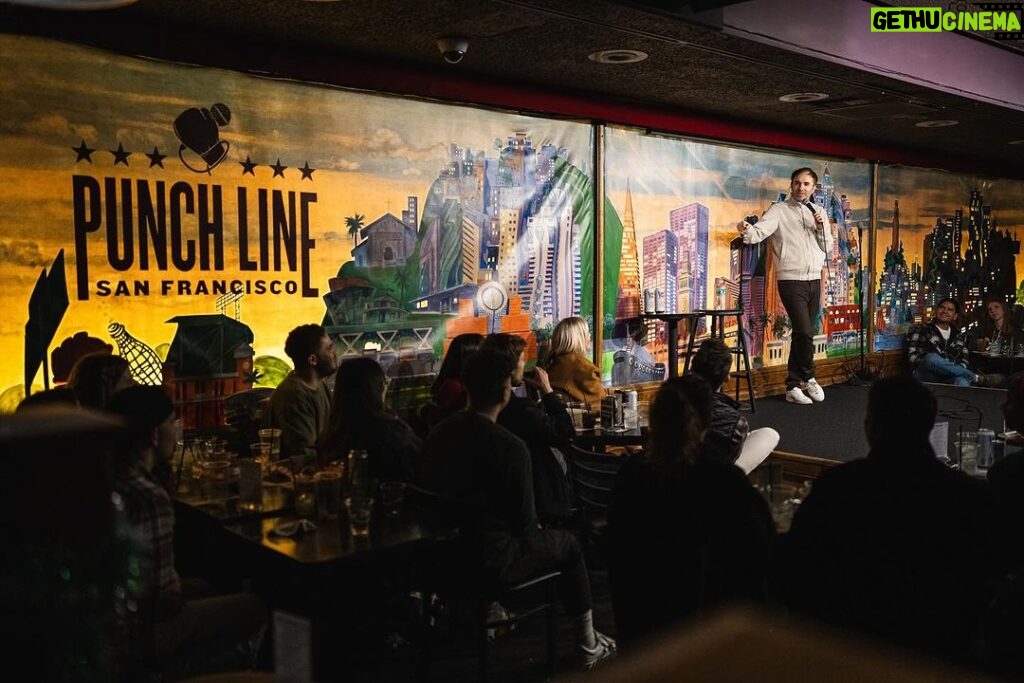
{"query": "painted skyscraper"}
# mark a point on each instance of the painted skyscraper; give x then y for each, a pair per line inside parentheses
(627, 302)
(661, 264)
(690, 226)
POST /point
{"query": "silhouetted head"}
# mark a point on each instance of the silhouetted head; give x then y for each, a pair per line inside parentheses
(1013, 409)
(901, 411)
(148, 413)
(61, 396)
(359, 388)
(454, 360)
(713, 361)
(98, 376)
(487, 377)
(680, 415)
(309, 347)
(514, 347)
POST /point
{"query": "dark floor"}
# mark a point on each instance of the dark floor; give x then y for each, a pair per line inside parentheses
(517, 656)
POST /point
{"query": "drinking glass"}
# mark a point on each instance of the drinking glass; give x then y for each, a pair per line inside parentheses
(305, 494)
(360, 509)
(643, 414)
(273, 438)
(328, 493)
(966, 444)
(250, 485)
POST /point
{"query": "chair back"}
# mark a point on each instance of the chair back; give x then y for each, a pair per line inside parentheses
(593, 477)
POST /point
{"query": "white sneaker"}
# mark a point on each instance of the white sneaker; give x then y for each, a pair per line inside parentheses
(603, 649)
(814, 390)
(797, 395)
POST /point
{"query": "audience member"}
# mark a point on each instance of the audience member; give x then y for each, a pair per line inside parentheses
(897, 544)
(686, 532)
(729, 437)
(545, 428)
(300, 405)
(61, 395)
(447, 393)
(471, 459)
(178, 632)
(358, 419)
(996, 333)
(98, 376)
(569, 368)
(937, 350)
(1006, 476)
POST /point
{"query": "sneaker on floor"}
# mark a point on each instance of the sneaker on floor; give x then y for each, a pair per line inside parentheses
(500, 621)
(814, 390)
(797, 395)
(603, 650)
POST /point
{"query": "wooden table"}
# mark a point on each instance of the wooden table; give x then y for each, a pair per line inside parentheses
(332, 543)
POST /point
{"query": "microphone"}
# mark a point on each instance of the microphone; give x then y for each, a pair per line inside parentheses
(810, 207)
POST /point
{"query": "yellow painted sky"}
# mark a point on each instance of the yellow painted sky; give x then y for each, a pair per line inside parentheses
(369, 154)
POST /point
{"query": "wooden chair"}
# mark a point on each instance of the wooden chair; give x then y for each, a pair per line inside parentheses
(457, 574)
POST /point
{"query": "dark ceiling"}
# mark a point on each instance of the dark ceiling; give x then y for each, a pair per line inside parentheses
(692, 68)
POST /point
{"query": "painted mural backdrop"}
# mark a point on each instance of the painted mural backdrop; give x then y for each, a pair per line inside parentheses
(190, 217)
(671, 228)
(943, 235)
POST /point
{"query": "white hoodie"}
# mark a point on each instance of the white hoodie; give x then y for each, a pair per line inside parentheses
(800, 248)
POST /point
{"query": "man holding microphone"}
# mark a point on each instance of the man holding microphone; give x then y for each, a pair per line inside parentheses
(801, 239)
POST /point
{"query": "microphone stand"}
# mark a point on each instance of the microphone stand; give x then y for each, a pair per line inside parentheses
(862, 374)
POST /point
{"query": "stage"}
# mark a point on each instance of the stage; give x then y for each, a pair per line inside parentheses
(821, 435)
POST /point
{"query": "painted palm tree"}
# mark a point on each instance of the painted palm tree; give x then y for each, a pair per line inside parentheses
(354, 223)
(402, 278)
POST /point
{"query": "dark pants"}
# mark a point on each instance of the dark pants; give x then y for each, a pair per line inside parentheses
(545, 550)
(802, 299)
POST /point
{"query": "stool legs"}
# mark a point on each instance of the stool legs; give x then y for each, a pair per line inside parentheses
(740, 349)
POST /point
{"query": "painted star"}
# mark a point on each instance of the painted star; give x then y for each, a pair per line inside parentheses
(278, 168)
(83, 152)
(156, 158)
(120, 156)
(307, 172)
(248, 165)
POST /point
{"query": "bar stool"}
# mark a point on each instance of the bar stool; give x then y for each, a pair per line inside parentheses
(739, 349)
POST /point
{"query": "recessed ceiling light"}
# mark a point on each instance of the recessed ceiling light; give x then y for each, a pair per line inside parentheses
(1015, 142)
(617, 56)
(804, 97)
(937, 123)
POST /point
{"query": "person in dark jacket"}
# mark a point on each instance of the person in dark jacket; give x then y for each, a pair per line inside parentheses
(359, 420)
(545, 426)
(896, 545)
(686, 531)
(472, 459)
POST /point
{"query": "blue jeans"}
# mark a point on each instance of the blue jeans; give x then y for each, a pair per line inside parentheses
(935, 368)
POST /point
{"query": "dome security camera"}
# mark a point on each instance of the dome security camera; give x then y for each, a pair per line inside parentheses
(453, 49)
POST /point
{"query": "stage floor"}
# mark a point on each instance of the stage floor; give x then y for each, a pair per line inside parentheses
(833, 431)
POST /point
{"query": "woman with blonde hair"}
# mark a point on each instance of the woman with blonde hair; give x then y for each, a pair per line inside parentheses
(569, 369)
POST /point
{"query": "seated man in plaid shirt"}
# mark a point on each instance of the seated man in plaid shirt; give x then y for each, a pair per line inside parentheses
(937, 351)
(172, 626)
